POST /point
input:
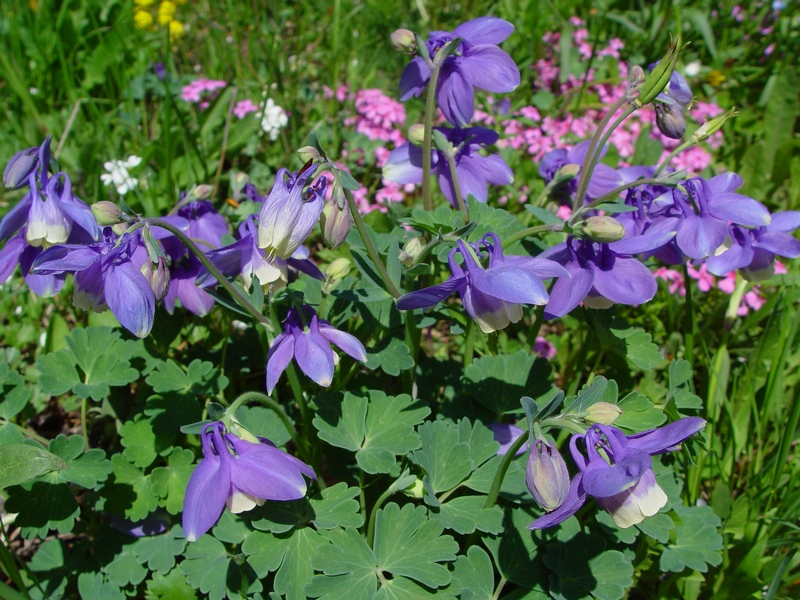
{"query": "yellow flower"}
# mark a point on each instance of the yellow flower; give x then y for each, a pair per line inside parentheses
(142, 19)
(716, 78)
(175, 29)
(166, 8)
(143, 3)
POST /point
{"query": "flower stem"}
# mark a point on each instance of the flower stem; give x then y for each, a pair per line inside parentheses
(531, 231)
(469, 342)
(378, 503)
(229, 287)
(688, 322)
(371, 250)
(451, 161)
(672, 155)
(84, 430)
(430, 110)
(497, 483)
(269, 403)
(736, 299)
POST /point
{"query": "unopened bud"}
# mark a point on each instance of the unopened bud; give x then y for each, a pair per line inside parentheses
(411, 250)
(659, 77)
(603, 413)
(669, 120)
(709, 128)
(546, 475)
(568, 171)
(106, 213)
(603, 229)
(19, 168)
(403, 40)
(200, 192)
(157, 275)
(415, 490)
(338, 269)
(336, 223)
(307, 153)
(416, 134)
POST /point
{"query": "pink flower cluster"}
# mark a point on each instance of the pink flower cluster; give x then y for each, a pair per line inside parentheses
(753, 298)
(244, 108)
(201, 91)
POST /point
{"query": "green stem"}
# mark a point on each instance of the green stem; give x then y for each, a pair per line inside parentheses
(499, 589)
(451, 162)
(371, 250)
(378, 503)
(688, 321)
(673, 154)
(269, 403)
(194, 249)
(168, 122)
(34, 436)
(9, 560)
(469, 342)
(497, 482)
(589, 161)
(84, 429)
(616, 192)
(531, 231)
(430, 111)
(735, 300)
(563, 424)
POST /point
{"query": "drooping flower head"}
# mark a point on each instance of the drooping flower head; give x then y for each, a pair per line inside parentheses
(290, 212)
(476, 63)
(492, 295)
(617, 471)
(604, 179)
(308, 339)
(239, 474)
(475, 171)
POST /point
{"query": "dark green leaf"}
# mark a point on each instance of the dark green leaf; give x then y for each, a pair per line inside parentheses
(159, 551)
(92, 586)
(169, 483)
(22, 462)
(498, 382)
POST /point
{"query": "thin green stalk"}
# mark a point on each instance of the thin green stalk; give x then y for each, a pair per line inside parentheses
(563, 424)
(451, 162)
(499, 589)
(84, 428)
(586, 169)
(194, 249)
(224, 147)
(269, 403)
(469, 343)
(497, 482)
(688, 322)
(378, 503)
(531, 231)
(430, 112)
(673, 154)
(371, 250)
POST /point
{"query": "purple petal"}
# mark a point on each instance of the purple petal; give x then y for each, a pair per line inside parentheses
(130, 298)
(542, 268)
(726, 182)
(430, 296)
(414, 78)
(567, 293)
(206, 493)
(779, 243)
(604, 180)
(484, 30)
(739, 209)
(667, 438)
(9, 256)
(576, 497)
(506, 434)
(314, 357)
(65, 258)
(404, 164)
(82, 216)
(470, 179)
(264, 471)
(279, 356)
(349, 344)
(602, 480)
(784, 221)
(699, 236)
(490, 68)
(455, 95)
(495, 170)
(16, 217)
(657, 235)
(735, 257)
(44, 286)
(628, 282)
(510, 284)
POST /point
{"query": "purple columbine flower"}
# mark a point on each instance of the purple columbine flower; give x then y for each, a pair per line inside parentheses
(546, 475)
(754, 250)
(107, 275)
(239, 474)
(290, 211)
(474, 170)
(671, 104)
(308, 339)
(506, 434)
(245, 258)
(17, 251)
(617, 470)
(706, 209)
(604, 179)
(492, 296)
(476, 63)
(602, 274)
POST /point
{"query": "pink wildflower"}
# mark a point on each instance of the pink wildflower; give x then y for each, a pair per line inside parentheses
(544, 348)
(244, 108)
(705, 280)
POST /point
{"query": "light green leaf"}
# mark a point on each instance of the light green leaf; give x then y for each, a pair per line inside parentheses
(169, 483)
(474, 572)
(43, 505)
(445, 460)
(697, 541)
(638, 414)
(517, 552)
(14, 393)
(85, 469)
(125, 569)
(466, 514)
(139, 441)
(92, 586)
(334, 507)
(391, 354)
(22, 462)
(620, 338)
(290, 554)
(206, 566)
(131, 491)
(172, 586)
(349, 568)
(159, 551)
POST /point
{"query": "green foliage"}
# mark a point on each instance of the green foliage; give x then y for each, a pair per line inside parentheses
(497, 382)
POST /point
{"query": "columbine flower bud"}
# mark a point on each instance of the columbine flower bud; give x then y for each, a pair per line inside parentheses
(403, 40)
(157, 275)
(106, 213)
(336, 223)
(200, 192)
(415, 490)
(669, 120)
(416, 134)
(603, 229)
(604, 413)
(709, 128)
(546, 476)
(307, 153)
(659, 77)
(20, 167)
(635, 81)
(410, 251)
(338, 269)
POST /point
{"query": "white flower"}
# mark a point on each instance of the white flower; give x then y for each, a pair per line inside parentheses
(118, 174)
(273, 119)
(693, 68)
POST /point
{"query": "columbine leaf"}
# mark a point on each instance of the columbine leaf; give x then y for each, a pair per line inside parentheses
(169, 483)
(466, 514)
(171, 586)
(680, 375)
(159, 551)
(391, 354)
(474, 572)
(93, 585)
(349, 567)
(263, 422)
(290, 554)
(139, 442)
(22, 462)
(377, 428)
(130, 491)
(582, 567)
(199, 378)
(697, 541)
(334, 507)
(498, 382)
(407, 544)
(513, 486)
(638, 414)
(125, 569)
(206, 566)
(445, 460)
(14, 394)
(518, 553)
(629, 342)
(43, 505)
